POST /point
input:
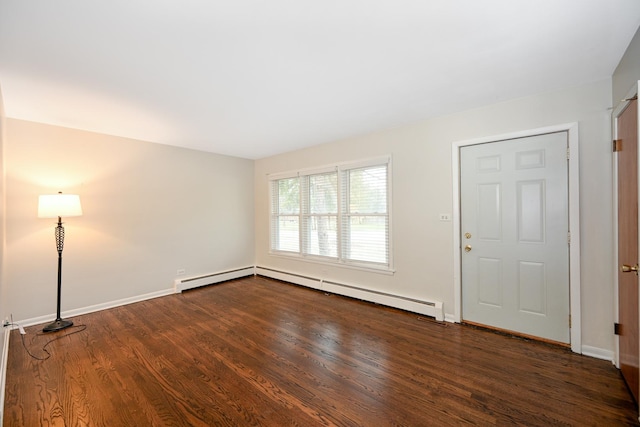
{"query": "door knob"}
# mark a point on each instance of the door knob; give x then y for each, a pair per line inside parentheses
(627, 268)
(468, 249)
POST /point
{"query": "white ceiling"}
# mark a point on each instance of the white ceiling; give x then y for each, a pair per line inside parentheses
(253, 78)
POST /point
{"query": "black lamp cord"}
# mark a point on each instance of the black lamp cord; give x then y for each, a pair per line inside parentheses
(76, 329)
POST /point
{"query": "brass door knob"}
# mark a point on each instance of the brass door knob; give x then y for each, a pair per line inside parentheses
(627, 268)
(467, 248)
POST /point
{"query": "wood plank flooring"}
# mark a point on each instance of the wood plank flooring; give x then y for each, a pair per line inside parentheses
(258, 352)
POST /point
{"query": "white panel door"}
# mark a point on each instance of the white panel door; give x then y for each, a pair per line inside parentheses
(515, 222)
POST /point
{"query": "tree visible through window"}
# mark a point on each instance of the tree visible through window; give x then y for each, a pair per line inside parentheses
(339, 215)
(321, 217)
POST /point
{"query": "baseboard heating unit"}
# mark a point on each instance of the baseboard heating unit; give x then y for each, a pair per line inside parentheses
(209, 279)
(427, 308)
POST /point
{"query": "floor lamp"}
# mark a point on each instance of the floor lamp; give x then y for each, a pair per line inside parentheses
(52, 206)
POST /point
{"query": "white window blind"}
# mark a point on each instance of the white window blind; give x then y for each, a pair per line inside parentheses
(285, 218)
(334, 214)
(365, 223)
(320, 215)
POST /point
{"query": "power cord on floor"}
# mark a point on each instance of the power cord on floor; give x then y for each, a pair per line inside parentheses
(73, 330)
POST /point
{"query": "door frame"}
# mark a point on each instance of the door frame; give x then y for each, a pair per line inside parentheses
(574, 220)
(615, 114)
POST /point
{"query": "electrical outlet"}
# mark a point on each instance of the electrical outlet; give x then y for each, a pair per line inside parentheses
(181, 272)
(445, 217)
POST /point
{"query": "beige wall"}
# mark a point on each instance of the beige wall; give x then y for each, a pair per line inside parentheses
(422, 189)
(627, 73)
(149, 210)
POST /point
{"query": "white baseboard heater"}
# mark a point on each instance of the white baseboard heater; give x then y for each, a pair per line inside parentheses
(209, 279)
(428, 308)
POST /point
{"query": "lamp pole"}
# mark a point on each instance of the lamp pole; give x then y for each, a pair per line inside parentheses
(59, 323)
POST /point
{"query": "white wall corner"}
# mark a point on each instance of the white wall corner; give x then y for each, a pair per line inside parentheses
(450, 317)
(439, 311)
(177, 286)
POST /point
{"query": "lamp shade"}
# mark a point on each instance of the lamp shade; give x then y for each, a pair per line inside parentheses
(55, 205)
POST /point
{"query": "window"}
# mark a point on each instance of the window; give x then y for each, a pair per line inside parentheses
(288, 217)
(335, 214)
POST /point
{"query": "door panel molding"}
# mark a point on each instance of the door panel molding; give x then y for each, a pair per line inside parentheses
(574, 220)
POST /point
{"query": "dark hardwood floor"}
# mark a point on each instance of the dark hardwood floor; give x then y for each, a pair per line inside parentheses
(255, 351)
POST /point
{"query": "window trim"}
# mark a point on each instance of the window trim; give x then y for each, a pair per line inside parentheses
(339, 169)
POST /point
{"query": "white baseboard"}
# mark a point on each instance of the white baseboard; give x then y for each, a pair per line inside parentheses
(428, 308)
(598, 353)
(179, 286)
(185, 283)
(94, 308)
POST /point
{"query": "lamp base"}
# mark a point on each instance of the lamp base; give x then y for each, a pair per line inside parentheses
(57, 325)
